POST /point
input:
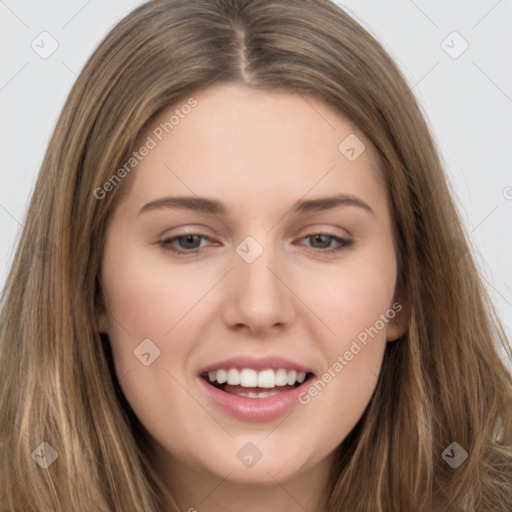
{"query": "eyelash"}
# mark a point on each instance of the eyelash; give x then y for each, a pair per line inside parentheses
(343, 243)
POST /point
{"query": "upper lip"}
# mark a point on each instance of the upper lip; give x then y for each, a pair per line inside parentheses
(258, 364)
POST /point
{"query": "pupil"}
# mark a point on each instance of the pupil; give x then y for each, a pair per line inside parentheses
(323, 239)
(193, 239)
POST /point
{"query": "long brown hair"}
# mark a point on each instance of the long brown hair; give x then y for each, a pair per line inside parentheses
(442, 382)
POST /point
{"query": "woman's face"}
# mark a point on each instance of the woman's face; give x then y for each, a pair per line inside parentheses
(254, 244)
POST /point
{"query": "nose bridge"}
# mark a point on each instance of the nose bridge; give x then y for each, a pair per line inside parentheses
(256, 276)
(260, 300)
(255, 262)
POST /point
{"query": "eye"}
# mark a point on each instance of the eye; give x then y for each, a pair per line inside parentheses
(183, 244)
(190, 243)
(323, 242)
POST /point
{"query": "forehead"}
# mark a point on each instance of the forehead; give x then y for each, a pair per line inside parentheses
(237, 142)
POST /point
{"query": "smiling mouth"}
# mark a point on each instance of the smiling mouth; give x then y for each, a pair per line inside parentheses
(249, 383)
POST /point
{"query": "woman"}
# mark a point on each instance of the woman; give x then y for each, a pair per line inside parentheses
(243, 284)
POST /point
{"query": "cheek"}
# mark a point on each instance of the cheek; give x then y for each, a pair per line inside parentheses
(354, 301)
(148, 297)
(352, 356)
(351, 297)
(335, 402)
(149, 301)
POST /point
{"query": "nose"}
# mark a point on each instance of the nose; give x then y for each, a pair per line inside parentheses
(259, 299)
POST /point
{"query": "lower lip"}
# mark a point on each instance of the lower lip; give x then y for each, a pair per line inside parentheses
(255, 409)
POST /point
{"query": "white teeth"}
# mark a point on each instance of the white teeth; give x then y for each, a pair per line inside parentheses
(233, 376)
(266, 379)
(222, 376)
(292, 377)
(263, 394)
(281, 377)
(249, 378)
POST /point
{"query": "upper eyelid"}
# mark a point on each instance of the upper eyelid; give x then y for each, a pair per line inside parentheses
(310, 231)
(173, 238)
(203, 235)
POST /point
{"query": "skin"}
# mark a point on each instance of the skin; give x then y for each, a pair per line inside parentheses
(258, 153)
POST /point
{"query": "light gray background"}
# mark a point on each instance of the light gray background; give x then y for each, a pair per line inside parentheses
(467, 101)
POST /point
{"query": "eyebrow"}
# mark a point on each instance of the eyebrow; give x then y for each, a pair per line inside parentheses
(214, 207)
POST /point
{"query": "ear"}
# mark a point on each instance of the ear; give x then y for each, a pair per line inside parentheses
(397, 326)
